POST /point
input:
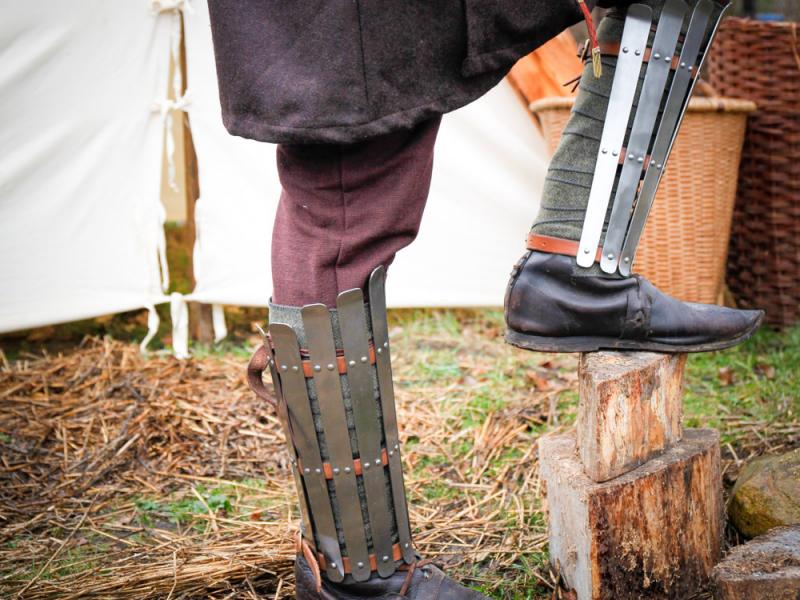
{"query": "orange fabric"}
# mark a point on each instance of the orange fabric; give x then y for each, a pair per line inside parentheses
(544, 72)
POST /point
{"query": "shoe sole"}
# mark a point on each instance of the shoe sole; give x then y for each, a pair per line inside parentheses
(538, 343)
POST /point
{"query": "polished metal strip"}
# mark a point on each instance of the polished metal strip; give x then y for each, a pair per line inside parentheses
(283, 417)
(682, 86)
(353, 326)
(623, 90)
(304, 436)
(665, 43)
(380, 336)
(327, 382)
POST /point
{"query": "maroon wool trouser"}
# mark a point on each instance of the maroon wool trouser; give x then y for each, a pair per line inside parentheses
(345, 210)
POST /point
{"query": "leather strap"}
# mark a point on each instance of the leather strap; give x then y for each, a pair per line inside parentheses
(327, 468)
(309, 367)
(397, 555)
(612, 49)
(341, 363)
(255, 371)
(556, 245)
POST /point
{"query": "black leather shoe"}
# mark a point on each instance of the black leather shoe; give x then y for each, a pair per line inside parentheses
(424, 582)
(551, 307)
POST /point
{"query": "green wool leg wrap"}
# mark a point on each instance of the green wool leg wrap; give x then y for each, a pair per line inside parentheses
(569, 177)
(291, 315)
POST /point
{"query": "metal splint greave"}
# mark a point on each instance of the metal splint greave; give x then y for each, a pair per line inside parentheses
(373, 470)
(635, 145)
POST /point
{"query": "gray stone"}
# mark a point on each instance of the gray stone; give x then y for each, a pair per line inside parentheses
(767, 494)
(766, 568)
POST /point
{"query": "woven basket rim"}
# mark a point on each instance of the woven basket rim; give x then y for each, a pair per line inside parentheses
(726, 105)
(750, 22)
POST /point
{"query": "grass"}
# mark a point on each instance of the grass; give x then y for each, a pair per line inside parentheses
(759, 380)
(471, 409)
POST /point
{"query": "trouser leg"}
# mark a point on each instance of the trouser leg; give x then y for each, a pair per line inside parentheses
(345, 209)
(344, 213)
(573, 290)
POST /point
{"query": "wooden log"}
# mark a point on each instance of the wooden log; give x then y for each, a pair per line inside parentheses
(630, 409)
(654, 532)
(766, 567)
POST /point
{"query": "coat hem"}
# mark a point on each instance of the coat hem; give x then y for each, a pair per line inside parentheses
(253, 127)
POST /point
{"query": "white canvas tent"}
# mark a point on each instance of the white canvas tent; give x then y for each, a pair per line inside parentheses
(83, 91)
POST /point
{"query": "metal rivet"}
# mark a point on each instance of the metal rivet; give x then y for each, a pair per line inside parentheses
(364, 359)
(630, 156)
(385, 344)
(380, 350)
(615, 153)
(638, 52)
(691, 68)
(352, 363)
(333, 565)
(683, 65)
(586, 250)
(604, 151)
(360, 565)
(625, 50)
(295, 368)
(657, 55)
(610, 256)
(397, 446)
(652, 163)
(366, 465)
(284, 368)
(318, 470)
(306, 470)
(667, 58)
(391, 452)
(317, 368)
(405, 545)
(330, 367)
(377, 461)
(626, 259)
(640, 159)
(347, 469)
(385, 559)
(659, 166)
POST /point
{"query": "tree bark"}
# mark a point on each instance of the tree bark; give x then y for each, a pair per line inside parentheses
(654, 532)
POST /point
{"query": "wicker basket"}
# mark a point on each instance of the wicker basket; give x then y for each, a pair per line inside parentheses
(760, 61)
(685, 242)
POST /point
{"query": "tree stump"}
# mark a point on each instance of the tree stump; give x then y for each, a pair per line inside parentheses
(630, 409)
(635, 502)
(654, 532)
(767, 567)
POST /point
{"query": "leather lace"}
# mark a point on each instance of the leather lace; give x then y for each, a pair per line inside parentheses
(410, 575)
(303, 546)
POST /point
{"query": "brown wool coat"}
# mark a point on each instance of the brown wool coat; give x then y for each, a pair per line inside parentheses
(340, 71)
